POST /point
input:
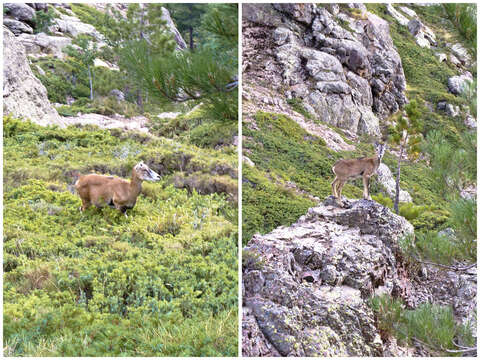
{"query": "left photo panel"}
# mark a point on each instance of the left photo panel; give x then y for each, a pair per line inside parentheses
(120, 179)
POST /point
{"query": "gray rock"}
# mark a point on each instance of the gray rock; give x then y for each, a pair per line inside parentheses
(442, 105)
(17, 27)
(282, 35)
(461, 53)
(470, 122)
(396, 15)
(453, 59)
(20, 11)
(42, 44)
(333, 9)
(248, 161)
(169, 115)
(40, 70)
(452, 111)
(181, 44)
(119, 95)
(456, 84)
(24, 96)
(137, 123)
(310, 297)
(300, 12)
(313, 54)
(441, 57)
(73, 26)
(424, 36)
(333, 87)
(448, 232)
(250, 330)
(408, 11)
(387, 182)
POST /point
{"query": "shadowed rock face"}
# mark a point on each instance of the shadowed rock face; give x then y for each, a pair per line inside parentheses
(306, 286)
(348, 76)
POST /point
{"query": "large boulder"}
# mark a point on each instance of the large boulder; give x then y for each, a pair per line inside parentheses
(17, 27)
(23, 94)
(457, 84)
(42, 44)
(424, 36)
(306, 286)
(73, 26)
(20, 11)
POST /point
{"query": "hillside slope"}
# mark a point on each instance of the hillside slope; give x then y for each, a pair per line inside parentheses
(321, 83)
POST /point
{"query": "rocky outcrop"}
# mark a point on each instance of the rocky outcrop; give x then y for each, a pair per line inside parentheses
(23, 94)
(42, 44)
(305, 287)
(349, 76)
(73, 26)
(396, 15)
(17, 27)
(424, 36)
(181, 44)
(20, 11)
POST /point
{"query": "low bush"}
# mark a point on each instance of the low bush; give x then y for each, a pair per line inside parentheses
(432, 324)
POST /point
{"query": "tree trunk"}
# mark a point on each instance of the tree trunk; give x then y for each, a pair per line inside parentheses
(139, 100)
(191, 38)
(91, 83)
(397, 181)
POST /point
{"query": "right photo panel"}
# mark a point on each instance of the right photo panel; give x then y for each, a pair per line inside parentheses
(359, 179)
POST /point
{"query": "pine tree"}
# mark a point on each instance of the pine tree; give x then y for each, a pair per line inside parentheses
(142, 25)
(84, 53)
(188, 19)
(407, 134)
(207, 74)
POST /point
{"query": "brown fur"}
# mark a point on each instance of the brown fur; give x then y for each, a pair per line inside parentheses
(101, 190)
(354, 168)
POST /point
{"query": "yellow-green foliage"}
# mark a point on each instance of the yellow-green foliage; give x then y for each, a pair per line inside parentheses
(64, 78)
(161, 283)
(198, 128)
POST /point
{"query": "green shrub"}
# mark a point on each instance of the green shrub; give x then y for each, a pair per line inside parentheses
(432, 324)
(43, 19)
(213, 134)
(464, 16)
(464, 220)
(384, 200)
